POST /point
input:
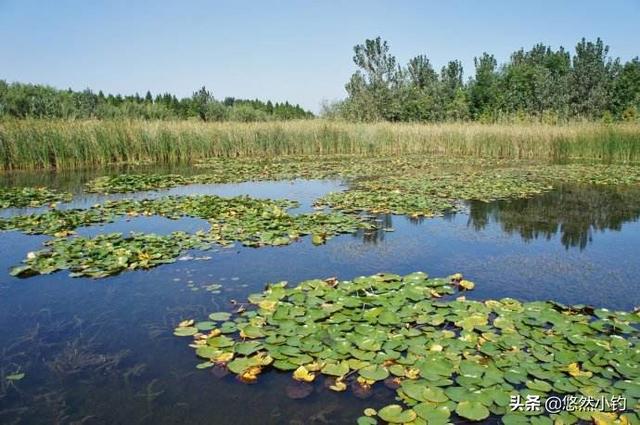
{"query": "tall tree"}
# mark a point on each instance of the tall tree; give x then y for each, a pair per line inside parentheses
(421, 73)
(484, 90)
(200, 101)
(591, 78)
(378, 79)
(626, 90)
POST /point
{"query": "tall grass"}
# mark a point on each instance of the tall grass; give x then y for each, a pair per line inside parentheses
(34, 144)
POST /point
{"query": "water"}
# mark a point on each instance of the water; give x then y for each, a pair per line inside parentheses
(102, 351)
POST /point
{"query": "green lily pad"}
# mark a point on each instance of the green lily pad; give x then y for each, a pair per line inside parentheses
(239, 365)
(207, 352)
(220, 316)
(539, 385)
(332, 328)
(433, 414)
(472, 410)
(336, 369)
(205, 326)
(186, 331)
(374, 373)
(247, 348)
(366, 420)
(394, 414)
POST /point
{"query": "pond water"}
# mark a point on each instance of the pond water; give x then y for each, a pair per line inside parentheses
(102, 351)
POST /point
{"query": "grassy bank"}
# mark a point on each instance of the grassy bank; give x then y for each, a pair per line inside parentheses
(33, 144)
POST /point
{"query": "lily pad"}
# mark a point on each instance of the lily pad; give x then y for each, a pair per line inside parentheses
(374, 373)
(472, 358)
(335, 369)
(220, 316)
(185, 331)
(433, 414)
(394, 414)
(472, 410)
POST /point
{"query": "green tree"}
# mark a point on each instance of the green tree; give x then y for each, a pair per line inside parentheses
(536, 81)
(378, 81)
(421, 73)
(626, 90)
(591, 79)
(484, 88)
(450, 87)
(200, 103)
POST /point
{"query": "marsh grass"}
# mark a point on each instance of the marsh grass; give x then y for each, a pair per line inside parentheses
(33, 144)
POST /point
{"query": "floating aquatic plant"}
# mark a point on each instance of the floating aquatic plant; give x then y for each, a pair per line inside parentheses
(208, 207)
(20, 197)
(433, 193)
(108, 254)
(361, 167)
(444, 356)
(254, 222)
(414, 185)
(122, 183)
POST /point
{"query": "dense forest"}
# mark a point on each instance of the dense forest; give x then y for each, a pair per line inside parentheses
(39, 101)
(540, 84)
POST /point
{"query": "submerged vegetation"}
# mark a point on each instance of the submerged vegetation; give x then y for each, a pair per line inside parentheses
(32, 144)
(443, 357)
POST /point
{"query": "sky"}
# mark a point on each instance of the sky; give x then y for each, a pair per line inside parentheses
(300, 51)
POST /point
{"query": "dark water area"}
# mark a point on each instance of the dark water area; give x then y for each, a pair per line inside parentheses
(102, 351)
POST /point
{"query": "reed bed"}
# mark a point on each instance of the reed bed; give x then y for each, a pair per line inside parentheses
(41, 144)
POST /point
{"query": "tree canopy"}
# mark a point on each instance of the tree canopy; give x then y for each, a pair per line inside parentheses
(21, 100)
(541, 83)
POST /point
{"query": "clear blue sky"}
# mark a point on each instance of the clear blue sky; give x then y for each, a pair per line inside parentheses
(281, 50)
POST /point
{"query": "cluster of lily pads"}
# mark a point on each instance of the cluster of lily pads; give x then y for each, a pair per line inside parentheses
(424, 191)
(599, 174)
(107, 254)
(414, 185)
(252, 222)
(209, 207)
(443, 356)
(252, 169)
(123, 183)
(431, 194)
(20, 197)
(223, 171)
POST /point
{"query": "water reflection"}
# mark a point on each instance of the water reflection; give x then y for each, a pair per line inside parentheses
(572, 212)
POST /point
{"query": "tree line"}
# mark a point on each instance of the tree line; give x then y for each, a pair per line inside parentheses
(19, 100)
(542, 83)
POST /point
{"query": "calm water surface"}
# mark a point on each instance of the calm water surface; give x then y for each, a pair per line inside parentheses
(102, 351)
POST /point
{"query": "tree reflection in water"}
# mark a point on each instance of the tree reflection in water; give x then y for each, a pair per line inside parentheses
(572, 211)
